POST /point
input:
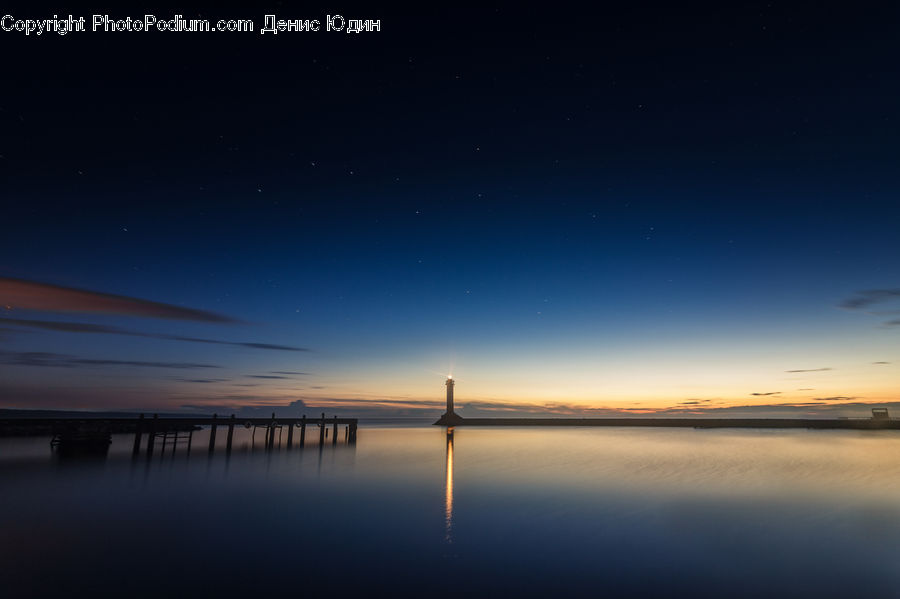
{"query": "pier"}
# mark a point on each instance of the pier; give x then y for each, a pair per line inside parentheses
(87, 431)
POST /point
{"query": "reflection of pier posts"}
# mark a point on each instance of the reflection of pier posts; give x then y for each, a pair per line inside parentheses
(230, 434)
(137, 435)
(151, 436)
(302, 431)
(290, 442)
(212, 434)
(352, 433)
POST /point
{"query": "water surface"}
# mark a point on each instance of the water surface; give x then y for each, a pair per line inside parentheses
(420, 511)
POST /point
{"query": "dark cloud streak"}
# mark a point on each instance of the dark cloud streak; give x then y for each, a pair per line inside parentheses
(53, 360)
(29, 295)
(866, 298)
(90, 328)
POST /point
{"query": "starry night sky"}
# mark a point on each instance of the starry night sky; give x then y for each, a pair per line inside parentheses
(644, 208)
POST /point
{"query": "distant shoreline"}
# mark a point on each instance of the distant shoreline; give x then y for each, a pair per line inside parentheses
(781, 423)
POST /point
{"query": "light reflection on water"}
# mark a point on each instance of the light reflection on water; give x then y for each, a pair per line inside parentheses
(448, 488)
(429, 511)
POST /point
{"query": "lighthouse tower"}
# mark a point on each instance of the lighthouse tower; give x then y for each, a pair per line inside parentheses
(449, 417)
(450, 382)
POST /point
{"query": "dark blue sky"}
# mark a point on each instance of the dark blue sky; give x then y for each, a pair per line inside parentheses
(647, 204)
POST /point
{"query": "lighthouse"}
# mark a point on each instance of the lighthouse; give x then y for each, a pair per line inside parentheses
(449, 417)
(450, 384)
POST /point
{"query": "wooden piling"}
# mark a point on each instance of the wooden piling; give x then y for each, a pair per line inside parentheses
(212, 434)
(303, 430)
(272, 433)
(137, 436)
(290, 434)
(334, 434)
(230, 434)
(322, 431)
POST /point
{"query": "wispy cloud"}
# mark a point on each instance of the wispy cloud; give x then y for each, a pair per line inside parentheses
(868, 297)
(811, 370)
(20, 294)
(66, 327)
(288, 372)
(271, 346)
(769, 393)
(53, 360)
(864, 300)
(880, 362)
(267, 376)
(140, 363)
(101, 329)
(835, 398)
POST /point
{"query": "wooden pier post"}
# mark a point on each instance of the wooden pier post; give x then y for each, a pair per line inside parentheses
(152, 436)
(322, 431)
(272, 433)
(137, 436)
(352, 438)
(212, 434)
(303, 430)
(334, 432)
(290, 434)
(230, 434)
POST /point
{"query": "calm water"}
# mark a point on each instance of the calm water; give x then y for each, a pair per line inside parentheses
(620, 512)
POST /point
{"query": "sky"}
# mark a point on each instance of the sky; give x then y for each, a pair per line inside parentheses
(647, 209)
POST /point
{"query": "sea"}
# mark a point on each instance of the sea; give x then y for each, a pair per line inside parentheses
(426, 511)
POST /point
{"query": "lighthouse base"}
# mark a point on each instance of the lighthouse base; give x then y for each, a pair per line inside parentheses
(449, 419)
